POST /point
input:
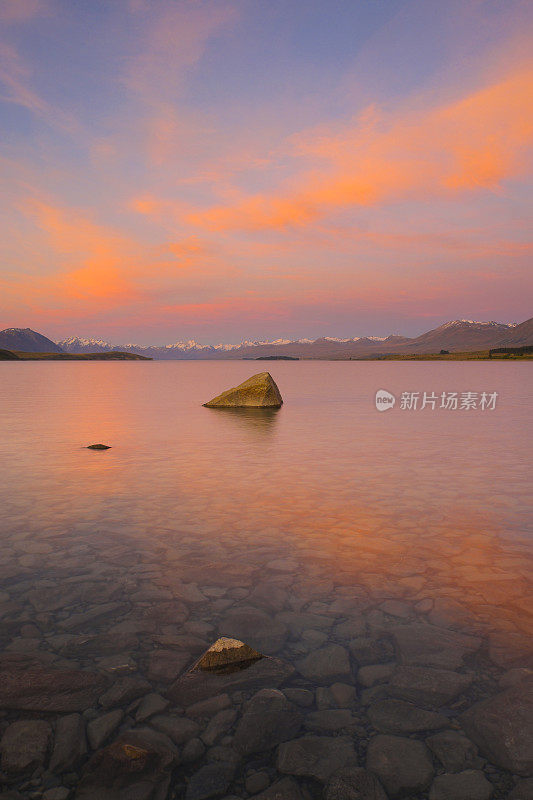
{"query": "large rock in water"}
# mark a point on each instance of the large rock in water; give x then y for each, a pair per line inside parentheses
(259, 391)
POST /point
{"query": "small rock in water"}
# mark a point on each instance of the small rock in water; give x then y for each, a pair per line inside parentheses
(98, 447)
(226, 654)
(259, 391)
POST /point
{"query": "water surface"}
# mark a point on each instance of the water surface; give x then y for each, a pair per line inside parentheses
(323, 507)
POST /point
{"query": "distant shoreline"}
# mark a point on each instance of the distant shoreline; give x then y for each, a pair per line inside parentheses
(114, 355)
(477, 355)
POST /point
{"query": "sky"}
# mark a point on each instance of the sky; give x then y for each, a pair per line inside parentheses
(222, 170)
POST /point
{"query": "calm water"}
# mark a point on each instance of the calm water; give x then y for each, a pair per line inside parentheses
(325, 500)
(438, 502)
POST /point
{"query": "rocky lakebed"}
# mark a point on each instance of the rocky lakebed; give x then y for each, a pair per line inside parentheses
(349, 693)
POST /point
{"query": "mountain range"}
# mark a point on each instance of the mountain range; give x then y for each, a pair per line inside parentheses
(456, 336)
(28, 341)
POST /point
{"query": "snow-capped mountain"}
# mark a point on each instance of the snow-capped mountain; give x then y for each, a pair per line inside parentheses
(457, 335)
(77, 344)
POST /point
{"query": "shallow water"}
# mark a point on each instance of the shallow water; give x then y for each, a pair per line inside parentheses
(323, 502)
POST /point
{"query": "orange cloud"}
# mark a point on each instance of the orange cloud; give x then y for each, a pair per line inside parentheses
(95, 264)
(100, 256)
(472, 144)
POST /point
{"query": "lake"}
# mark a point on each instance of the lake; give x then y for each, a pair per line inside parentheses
(326, 534)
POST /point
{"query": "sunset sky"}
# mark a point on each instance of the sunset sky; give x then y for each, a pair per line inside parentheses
(255, 169)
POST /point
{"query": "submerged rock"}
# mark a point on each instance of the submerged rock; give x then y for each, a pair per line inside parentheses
(25, 745)
(136, 765)
(454, 751)
(430, 646)
(265, 632)
(468, 785)
(32, 687)
(211, 780)
(522, 791)
(285, 789)
(98, 447)
(227, 655)
(197, 685)
(268, 719)
(354, 783)
(502, 728)
(123, 691)
(325, 665)
(259, 391)
(100, 728)
(403, 766)
(398, 716)
(427, 686)
(316, 757)
(70, 744)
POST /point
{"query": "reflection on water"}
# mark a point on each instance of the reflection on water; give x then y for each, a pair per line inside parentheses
(259, 421)
(436, 501)
(322, 513)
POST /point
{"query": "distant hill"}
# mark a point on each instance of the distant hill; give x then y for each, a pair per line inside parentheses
(26, 340)
(456, 336)
(7, 355)
(459, 335)
(113, 355)
(519, 336)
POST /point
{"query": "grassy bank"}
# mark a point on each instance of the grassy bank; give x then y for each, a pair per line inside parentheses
(478, 355)
(114, 355)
